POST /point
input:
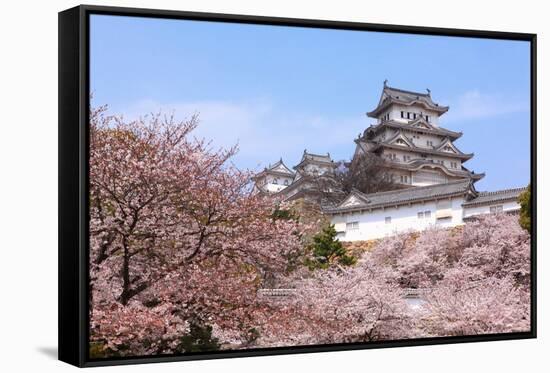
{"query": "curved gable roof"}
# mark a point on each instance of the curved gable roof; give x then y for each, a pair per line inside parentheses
(405, 196)
(391, 95)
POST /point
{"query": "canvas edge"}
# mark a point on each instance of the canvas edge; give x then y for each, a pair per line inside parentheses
(69, 248)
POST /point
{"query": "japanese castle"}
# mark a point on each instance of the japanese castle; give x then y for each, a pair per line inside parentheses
(420, 155)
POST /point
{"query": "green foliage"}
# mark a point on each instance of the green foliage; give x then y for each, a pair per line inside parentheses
(525, 211)
(98, 350)
(252, 335)
(279, 213)
(326, 249)
(199, 339)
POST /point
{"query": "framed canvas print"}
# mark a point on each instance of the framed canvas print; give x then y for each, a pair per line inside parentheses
(236, 186)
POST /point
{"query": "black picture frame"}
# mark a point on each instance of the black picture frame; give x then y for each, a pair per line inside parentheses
(73, 179)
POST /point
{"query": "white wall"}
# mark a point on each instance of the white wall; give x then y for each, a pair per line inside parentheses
(486, 209)
(404, 218)
(273, 188)
(315, 169)
(273, 183)
(395, 113)
(424, 177)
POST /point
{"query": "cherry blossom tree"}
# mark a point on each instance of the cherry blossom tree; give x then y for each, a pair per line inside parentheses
(474, 279)
(339, 305)
(488, 290)
(462, 306)
(175, 233)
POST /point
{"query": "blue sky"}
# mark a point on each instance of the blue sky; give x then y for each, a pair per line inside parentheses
(279, 90)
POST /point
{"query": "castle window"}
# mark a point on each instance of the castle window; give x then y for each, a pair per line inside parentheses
(275, 181)
(414, 115)
(286, 182)
(495, 209)
(352, 226)
(408, 115)
(429, 143)
(402, 114)
(427, 118)
(427, 214)
(420, 215)
(387, 220)
(404, 179)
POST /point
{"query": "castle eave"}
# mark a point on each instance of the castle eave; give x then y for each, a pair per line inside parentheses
(408, 127)
(461, 156)
(463, 187)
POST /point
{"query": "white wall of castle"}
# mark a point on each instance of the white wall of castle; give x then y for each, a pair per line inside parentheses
(315, 169)
(507, 206)
(395, 110)
(274, 188)
(273, 183)
(373, 225)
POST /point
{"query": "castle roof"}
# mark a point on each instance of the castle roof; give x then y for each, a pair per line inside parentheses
(319, 159)
(505, 195)
(357, 201)
(277, 169)
(417, 164)
(308, 185)
(391, 95)
(415, 126)
(373, 146)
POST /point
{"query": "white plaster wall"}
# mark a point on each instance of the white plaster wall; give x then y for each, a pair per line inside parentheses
(395, 113)
(387, 134)
(404, 218)
(314, 169)
(268, 184)
(274, 188)
(418, 178)
(486, 209)
(422, 140)
(400, 153)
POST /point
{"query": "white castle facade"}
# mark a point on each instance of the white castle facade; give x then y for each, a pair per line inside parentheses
(437, 188)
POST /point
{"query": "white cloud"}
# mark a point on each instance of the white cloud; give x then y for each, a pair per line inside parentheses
(478, 105)
(263, 131)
